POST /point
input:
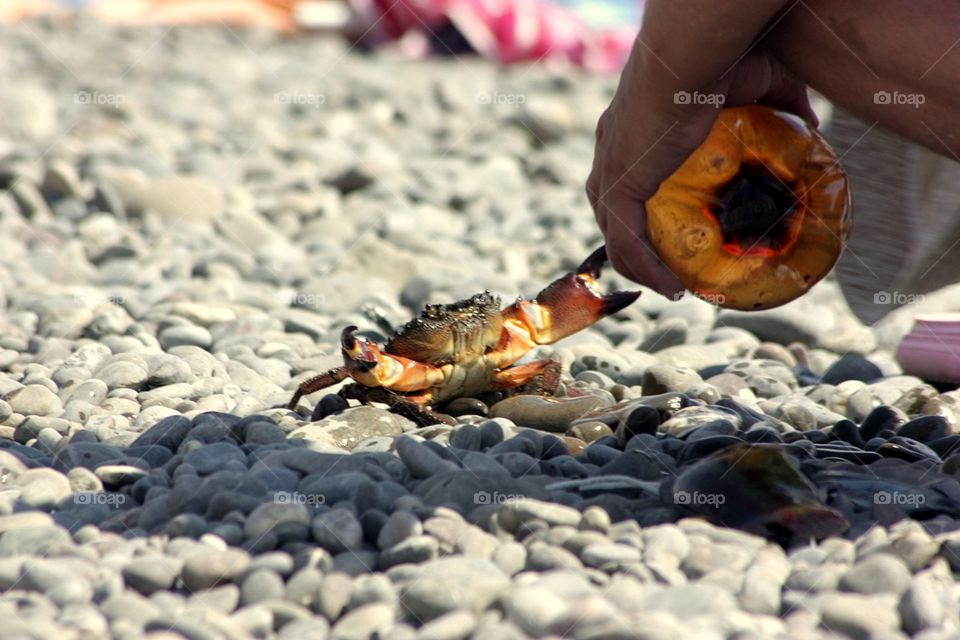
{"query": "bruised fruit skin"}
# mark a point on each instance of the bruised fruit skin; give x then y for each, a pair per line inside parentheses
(757, 215)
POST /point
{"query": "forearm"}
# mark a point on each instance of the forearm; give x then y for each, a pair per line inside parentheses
(687, 45)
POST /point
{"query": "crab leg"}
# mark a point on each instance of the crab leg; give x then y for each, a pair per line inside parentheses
(316, 383)
(546, 372)
(566, 306)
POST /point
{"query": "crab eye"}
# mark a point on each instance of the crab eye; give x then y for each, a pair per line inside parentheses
(756, 215)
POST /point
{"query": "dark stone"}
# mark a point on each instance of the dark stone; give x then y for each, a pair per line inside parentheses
(847, 431)
(852, 367)
(907, 449)
(945, 447)
(564, 466)
(491, 434)
(925, 428)
(517, 445)
(882, 417)
(372, 521)
(466, 406)
(848, 453)
(518, 464)
(748, 417)
(805, 377)
(817, 436)
(710, 430)
(644, 465)
(168, 432)
(643, 419)
(466, 437)
(705, 446)
(759, 434)
(599, 454)
(329, 405)
(552, 447)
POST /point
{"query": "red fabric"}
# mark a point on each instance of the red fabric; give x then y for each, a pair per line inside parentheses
(504, 30)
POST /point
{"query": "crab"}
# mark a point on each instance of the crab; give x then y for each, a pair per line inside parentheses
(470, 347)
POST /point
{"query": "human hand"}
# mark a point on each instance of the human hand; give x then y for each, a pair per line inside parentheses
(646, 134)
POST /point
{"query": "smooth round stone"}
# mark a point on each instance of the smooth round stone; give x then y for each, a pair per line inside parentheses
(925, 428)
(686, 420)
(641, 420)
(212, 567)
(881, 418)
(466, 406)
(352, 426)
(706, 446)
(453, 584)
(455, 625)
(185, 335)
(397, 528)
(43, 489)
(260, 585)
(545, 413)
(282, 519)
(923, 605)
(877, 573)
(491, 434)
(329, 405)
(149, 574)
(416, 549)
(123, 374)
(609, 555)
(760, 433)
(467, 437)
(420, 460)
(35, 400)
(852, 367)
(213, 457)
(669, 332)
(117, 475)
(368, 621)
(515, 513)
(774, 351)
(338, 530)
(589, 431)
(847, 431)
(858, 616)
(907, 449)
(661, 378)
(168, 432)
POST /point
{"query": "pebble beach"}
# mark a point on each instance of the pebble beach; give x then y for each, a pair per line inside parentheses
(190, 216)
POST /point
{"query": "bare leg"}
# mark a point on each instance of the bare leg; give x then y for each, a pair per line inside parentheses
(851, 51)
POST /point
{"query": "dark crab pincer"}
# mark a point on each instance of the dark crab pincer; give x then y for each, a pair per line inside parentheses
(470, 347)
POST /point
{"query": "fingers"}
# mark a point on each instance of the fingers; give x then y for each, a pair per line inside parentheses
(628, 248)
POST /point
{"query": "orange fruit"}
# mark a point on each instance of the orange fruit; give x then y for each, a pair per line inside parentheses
(757, 215)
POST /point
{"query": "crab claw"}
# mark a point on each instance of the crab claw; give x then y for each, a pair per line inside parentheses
(570, 303)
(367, 364)
(358, 355)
